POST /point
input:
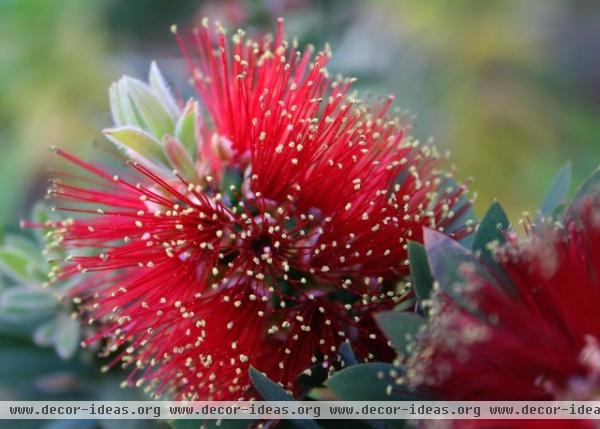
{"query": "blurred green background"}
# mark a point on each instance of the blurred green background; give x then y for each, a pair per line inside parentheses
(511, 87)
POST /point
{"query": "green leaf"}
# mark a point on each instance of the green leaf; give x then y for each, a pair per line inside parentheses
(21, 261)
(400, 327)
(558, 193)
(130, 114)
(150, 108)
(68, 334)
(185, 130)
(180, 159)
(421, 277)
(489, 235)
(268, 389)
(159, 86)
(14, 264)
(44, 334)
(590, 187)
(490, 232)
(271, 391)
(138, 145)
(116, 105)
(368, 382)
(34, 300)
(447, 259)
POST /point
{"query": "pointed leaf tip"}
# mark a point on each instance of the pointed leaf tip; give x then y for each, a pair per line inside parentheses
(160, 87)
(138, 145)
(491, 229)
(185, 129)
(433, 238)
(446, 257)
(268, 389)
(271, 391)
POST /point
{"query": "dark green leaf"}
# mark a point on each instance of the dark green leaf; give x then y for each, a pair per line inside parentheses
(447, 258)
(368, 382)
(268, 389)
(315, 377)
(422, 279)
(489, 235)
(271, 391)
(400, 327)
(490, 231)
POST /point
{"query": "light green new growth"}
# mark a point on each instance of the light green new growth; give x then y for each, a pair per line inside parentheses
(151, 128)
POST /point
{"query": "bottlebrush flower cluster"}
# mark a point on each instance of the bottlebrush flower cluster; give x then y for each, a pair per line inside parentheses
(529, 331)
(283, 228)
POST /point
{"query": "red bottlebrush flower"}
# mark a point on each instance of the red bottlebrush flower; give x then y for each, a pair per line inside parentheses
(284, 230)
(529, 335)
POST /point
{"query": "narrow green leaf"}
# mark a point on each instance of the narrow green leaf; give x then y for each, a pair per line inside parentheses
(420, 273)
(490, 232)
(489, 235)
(185, 130)
(68, 334)
(116, 109)
(21, 260)
(150, 108)
(271, 391)
(558, 193)
(138, 145)
(19, 304)
(44, 334)
(26, 298)
(447, 259)
(130, 115)
(159, 86)
(368, 382)
(400, 327)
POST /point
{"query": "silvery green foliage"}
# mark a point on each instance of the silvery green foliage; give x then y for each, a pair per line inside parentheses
(27, 300)
(39, 338)
(151, 128)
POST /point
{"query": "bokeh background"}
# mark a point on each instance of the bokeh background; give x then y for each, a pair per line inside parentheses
(511, 88)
